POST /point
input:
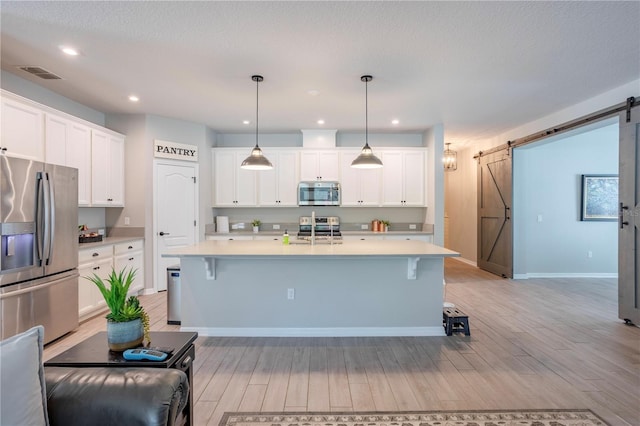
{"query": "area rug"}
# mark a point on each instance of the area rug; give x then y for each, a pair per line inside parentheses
(419, 418)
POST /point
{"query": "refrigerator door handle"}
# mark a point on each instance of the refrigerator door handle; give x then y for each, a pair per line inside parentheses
(47, 218)
(52, 219)
(39, 217)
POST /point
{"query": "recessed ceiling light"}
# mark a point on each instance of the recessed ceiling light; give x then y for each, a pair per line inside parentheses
(395, 121)
(69, 50)
(313, 92)
(134, 98)
(320, 121)
(246, 122)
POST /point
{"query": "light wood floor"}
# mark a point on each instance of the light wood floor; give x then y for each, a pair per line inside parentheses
(539, 343)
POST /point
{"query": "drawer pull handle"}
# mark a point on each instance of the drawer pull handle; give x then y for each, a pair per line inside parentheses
(131, 258)
(96, 268)
(130, 247)
(186, 362)
(95, 254)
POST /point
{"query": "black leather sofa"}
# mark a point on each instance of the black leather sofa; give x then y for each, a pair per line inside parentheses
(116, 396)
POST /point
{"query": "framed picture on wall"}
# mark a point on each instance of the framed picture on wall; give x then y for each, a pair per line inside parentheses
(599, 197)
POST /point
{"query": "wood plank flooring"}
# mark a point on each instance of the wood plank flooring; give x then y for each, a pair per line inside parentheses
(538, 343)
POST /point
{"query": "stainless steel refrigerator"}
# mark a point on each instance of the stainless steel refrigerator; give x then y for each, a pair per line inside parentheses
(39, 247)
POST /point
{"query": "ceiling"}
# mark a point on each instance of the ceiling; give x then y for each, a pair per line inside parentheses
(480, 68)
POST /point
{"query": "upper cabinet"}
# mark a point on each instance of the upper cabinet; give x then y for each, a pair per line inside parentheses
(22, 133)
(68, 143)
(359, 187)
(107, 170)
(403, 178)
(319, 165)
(233, 186)
(278, 187)
(38, 132)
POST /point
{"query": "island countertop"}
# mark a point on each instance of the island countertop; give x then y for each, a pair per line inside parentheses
(263, 249)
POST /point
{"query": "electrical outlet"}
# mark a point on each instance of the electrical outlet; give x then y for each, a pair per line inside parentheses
(539, 218)
(127, 221)
(364, 227)
(589, 254)
(412, 226)
(101, 231)
(276, 227)
(291, 294)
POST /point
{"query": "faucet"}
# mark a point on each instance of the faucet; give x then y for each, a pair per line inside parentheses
(313, 228)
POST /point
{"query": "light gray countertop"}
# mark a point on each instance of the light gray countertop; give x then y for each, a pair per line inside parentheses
(265, 249)
(107, 241)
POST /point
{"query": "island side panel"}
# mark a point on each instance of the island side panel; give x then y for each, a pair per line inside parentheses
(337, 296)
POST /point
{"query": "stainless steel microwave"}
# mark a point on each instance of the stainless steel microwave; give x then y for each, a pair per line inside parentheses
(319, 194)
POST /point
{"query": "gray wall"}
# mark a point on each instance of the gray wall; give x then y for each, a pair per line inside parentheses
(547, 184)
(36, 93)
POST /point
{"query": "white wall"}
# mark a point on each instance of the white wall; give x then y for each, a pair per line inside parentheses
(461, 185)
(547, 186)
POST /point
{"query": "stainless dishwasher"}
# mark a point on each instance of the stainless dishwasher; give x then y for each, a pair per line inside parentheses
(173, 295)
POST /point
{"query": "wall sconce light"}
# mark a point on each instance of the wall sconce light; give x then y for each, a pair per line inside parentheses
(449, 159)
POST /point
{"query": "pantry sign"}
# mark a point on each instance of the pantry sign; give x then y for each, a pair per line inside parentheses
(175, 151)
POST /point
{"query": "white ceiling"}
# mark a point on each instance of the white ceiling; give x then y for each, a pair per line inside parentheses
(480, 68)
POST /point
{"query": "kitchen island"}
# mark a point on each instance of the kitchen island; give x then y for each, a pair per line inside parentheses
(357, 288)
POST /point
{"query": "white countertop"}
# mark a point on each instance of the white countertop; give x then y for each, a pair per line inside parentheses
(249, 249)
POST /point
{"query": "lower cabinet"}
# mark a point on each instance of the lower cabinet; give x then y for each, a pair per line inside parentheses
(101, 261)
(94, 261)
(130, 255)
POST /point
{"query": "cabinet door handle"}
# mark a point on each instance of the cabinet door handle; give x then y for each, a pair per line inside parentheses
(130, 247)
(163, 233)
(621, 215)
(95, 254)
(131, 258)
(96, 268)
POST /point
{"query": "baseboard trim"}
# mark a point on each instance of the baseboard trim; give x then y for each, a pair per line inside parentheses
(565, 275)
(316, 331)
(467, 261)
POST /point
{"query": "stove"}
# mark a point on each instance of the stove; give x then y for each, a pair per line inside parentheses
(325, 226)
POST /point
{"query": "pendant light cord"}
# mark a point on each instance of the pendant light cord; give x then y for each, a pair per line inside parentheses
(366, 111)
(257, 98)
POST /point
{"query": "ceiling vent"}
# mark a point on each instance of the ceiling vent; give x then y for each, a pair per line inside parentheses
(41, 72)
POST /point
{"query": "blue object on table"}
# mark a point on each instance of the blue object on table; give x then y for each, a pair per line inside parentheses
(140, 354)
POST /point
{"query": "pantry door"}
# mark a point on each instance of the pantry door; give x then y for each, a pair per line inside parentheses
(175, 213)
(629, 220)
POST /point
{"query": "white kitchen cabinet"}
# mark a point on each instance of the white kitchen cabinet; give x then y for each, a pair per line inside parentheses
(22, 133)
(98, 261)
(233, 186)
(68, 143)
(403, 178)
(319, 165)
(278, 187)
(101, 260)
(359, 187)
(130, 255)
(107, 170)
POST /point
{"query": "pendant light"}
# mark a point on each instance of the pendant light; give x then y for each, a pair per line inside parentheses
(366, 159)
(449, 159)
(256, 160)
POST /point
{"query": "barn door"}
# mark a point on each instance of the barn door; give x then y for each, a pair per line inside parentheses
(629, 221)
(495, 243)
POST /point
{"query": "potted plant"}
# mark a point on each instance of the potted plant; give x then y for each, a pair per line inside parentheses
(385, 225)
(127, 321)
(256, 224)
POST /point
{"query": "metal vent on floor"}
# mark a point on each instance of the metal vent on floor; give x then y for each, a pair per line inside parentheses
(41, 72)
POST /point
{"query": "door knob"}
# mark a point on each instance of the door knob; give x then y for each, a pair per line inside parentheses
(163, 233)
